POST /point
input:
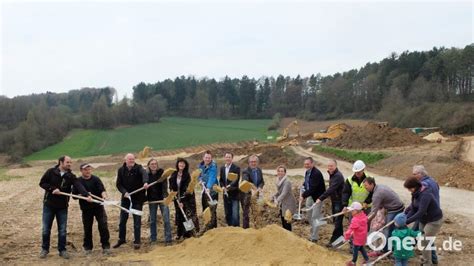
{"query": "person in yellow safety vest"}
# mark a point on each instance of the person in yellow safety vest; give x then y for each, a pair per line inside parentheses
(354, 189)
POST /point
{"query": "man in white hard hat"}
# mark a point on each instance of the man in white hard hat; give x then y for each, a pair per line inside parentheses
(354, 189)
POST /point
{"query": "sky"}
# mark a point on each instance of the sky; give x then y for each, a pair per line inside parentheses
(60, 46)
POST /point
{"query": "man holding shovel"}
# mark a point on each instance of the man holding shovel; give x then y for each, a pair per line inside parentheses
(312, 188)
(55, 180)
(334, 191)
(155, 193)
(231, 190)
(252, 174)
(93, 185)
(383, 198)
(130, 177)
(208, 178)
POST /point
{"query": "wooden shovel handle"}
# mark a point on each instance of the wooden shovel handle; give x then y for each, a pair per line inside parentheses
(78, 197)
(142, 188)
(385, 226)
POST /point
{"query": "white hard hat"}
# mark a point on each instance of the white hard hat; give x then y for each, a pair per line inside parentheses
(358, 166)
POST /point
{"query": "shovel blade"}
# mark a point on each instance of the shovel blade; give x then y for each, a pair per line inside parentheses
(188, 225)
(298, 216)
(319, 222)
(212, 202)
(338, 241)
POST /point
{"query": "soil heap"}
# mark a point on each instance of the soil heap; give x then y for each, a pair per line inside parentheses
(271, 245)
(374, 136)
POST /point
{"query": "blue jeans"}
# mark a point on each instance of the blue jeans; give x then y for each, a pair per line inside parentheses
(401, 262)
(137, 221)
(61, 220)
(388, 231)
(165, 213)
(232, 211)
(355, 253)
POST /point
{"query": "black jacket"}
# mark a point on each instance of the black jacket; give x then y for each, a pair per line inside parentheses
(181, 190)
(93, 185)
(316, 186)
(247, 175)
(347, 191)
(336, 184)
(52, 180)
(130, 180)
(233, 190)
(159, 190)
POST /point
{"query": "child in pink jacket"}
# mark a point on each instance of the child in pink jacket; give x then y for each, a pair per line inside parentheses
(358, 231)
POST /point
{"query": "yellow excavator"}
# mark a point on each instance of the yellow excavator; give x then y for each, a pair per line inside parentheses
(286, 131)
(332, 132)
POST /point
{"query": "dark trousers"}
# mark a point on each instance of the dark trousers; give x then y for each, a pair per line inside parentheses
(284, 223)
(137, 221)
(245, 203)
(88, 221)
(232, 211)
(205, 203)
(355, 253)
(338, 229)
(61, 219)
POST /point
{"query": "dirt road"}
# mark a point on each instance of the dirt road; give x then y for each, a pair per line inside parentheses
(453, 200)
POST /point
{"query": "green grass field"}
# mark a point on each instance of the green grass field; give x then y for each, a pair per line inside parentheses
(351, 155)
(170, 133)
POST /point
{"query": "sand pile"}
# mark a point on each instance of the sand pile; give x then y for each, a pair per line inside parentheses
(435, 137)
(271, 245)
(373, 136)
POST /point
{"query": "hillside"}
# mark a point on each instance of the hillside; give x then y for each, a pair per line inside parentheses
(171, 133)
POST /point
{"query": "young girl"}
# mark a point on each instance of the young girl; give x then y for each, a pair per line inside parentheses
(358, 231)
(398, 235)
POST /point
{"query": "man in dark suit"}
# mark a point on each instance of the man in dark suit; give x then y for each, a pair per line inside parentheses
(252, 174)
(312, 188)
(231, 190)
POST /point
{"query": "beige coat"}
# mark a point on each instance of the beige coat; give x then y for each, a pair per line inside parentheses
(285, 197)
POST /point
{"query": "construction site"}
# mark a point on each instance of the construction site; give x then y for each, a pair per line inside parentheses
(449, 159)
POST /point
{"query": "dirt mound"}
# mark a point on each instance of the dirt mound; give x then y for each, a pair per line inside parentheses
(374, 136)
(435, 137)
(459, 175)
(271, 245)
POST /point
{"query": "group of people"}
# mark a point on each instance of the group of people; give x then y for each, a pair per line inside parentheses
(369, 205)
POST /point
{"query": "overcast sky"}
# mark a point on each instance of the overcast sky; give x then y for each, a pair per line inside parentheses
(52, 46)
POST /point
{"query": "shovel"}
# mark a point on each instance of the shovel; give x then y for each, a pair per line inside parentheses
(211, 201)
(167, 201)
(338, 241)
(374, 236)
(105, 202)
(298, 216)
(378, 259)
(116, 205)
(79, 197)
(133, 211)
(323, 221)
(188, 224)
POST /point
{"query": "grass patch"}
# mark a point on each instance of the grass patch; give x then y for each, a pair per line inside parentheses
(350, 155)
(170, 133)
(5, 177)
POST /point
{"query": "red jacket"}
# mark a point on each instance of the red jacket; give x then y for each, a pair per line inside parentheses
(358, 229)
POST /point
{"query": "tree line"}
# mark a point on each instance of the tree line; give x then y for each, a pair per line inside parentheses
(427, 88)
